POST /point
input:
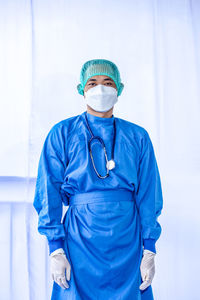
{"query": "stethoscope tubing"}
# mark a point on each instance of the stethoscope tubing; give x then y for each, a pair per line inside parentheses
(103, 145)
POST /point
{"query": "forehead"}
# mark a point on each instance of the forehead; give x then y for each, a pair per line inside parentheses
(99, 77)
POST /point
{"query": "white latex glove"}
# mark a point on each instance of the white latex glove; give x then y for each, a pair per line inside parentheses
(58, 264)
(147, 268)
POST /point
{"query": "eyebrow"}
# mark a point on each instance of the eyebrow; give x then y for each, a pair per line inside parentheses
(104, 79)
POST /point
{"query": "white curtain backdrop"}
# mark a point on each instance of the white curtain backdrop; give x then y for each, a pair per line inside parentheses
(156, 45)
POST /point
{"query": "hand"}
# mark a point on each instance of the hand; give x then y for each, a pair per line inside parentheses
(147, 268)
(58, 264)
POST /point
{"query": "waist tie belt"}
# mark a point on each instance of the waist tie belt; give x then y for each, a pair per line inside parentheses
(99, 196)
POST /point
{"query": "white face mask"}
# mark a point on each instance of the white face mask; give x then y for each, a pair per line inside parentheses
(101, 98)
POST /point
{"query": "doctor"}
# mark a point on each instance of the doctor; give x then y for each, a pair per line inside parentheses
(104, 168)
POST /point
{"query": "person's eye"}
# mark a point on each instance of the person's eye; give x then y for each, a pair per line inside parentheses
(109, 83)
(91, 83)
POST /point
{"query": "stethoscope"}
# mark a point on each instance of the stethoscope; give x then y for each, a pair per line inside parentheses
(110, 164)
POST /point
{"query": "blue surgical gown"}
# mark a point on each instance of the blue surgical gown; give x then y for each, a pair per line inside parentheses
(108, 221)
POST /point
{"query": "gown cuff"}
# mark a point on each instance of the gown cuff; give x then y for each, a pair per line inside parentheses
(149, 244)
(55, 244)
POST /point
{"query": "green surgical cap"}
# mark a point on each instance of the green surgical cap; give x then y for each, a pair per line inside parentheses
(99, 67)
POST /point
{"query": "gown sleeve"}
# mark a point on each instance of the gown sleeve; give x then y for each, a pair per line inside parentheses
(149, 198)
(48, 198)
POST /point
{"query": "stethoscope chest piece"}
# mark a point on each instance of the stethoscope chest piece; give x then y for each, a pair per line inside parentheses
(110, 164)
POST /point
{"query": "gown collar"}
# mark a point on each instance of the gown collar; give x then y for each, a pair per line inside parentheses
(99, 120)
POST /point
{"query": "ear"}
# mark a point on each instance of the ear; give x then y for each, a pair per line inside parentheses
(80, 89)
(121, 87)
